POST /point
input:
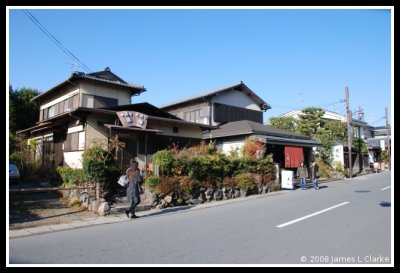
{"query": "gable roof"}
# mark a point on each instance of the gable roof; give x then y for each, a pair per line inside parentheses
(106, 77)
(240, 86)
(271, 134)
(245, 127)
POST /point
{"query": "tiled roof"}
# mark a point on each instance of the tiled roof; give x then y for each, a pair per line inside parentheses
(244, 127)
(271, 134)
(214, 92)
(97, 76)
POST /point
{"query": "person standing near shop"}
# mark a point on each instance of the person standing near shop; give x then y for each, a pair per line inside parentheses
(302, 173)
(314, 175)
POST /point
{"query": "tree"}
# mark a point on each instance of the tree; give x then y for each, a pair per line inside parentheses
(24, 113)
(338, 130)
(285, 123)
(311, 121)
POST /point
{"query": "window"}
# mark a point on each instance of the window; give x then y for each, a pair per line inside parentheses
(175, 129)
(88, 101)
(91, 101)
(74, 142)
(51, 111)
(45, 113)
(192, 116)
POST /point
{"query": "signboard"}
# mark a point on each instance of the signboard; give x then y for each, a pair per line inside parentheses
(133, 119)
(287, 180)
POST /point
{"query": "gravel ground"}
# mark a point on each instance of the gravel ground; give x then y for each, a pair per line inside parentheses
(43, 208)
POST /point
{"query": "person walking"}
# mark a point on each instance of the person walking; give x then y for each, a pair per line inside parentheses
(133, 188)
(314, 175)
(302, 173)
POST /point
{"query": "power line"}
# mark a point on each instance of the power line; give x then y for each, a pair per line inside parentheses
(55, 40)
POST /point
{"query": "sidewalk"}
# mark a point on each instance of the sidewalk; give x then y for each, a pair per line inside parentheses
(144, 211)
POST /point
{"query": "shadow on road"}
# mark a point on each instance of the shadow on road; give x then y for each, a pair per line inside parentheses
(166, 211)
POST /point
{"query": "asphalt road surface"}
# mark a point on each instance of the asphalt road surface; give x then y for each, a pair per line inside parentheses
(345, 222)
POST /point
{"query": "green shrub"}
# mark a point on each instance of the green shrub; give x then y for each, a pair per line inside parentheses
(99, 166)
(323, 168)
(245, 181)
(152, 181)
(166, 159)
(187, 185)
(338, 166)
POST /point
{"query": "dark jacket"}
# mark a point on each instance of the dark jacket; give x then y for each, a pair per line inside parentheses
(133, 188)
(314, 171)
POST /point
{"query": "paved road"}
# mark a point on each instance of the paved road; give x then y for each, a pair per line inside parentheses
(344, 222)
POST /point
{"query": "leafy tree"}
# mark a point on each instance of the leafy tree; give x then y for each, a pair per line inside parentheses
(338, 130)
(325, 137)
(285, 123)
(359, 145)
(311, 121)
(24, 113)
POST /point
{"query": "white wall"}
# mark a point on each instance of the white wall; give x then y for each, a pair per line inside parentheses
(112, 91)
(371, 157)
(184, 130)
(338, 155)
(236, 98)
(73, 159)
(228, 146)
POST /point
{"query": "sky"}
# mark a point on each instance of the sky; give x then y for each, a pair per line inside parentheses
(291, 58)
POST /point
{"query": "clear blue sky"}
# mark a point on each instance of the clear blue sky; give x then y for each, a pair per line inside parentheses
(291, 58)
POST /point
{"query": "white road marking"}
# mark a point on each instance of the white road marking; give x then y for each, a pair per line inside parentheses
(310, 215)
(385, 188)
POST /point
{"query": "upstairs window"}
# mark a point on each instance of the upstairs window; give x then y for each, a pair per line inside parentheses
(192, 116)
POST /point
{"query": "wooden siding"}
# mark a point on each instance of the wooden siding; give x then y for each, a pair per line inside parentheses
(227, 113)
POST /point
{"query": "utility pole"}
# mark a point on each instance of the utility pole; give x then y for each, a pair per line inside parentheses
(349, 131)
(387, 135)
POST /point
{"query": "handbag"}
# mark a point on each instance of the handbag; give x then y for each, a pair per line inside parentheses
(123, 180)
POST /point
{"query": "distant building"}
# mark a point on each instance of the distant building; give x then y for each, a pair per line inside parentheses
(340, 152)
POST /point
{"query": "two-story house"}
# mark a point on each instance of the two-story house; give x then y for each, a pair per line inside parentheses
(96, 107)
(238, 112)
(230, 103)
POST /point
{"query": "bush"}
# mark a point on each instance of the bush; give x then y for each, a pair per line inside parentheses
(274, 186)
(72, 177)
(253, 148)
(338, 166)
(167, 185)
(229, 183)
(99, 166)
(152, 182)
(166, 159)
(245, 181)
(187, 185)
(322, 167)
